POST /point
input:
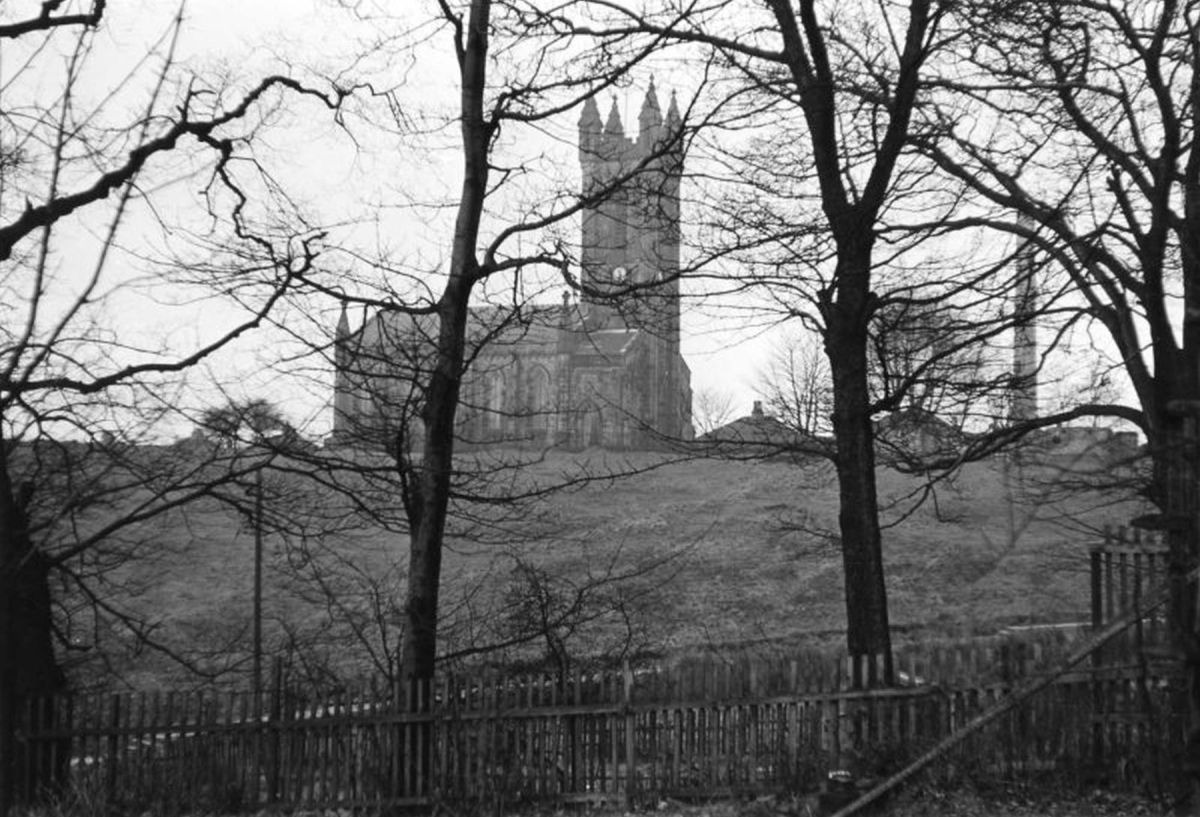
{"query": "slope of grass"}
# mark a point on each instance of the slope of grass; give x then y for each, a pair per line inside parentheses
(717, 553)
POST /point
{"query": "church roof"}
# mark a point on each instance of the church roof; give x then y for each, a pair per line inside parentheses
(534, 329)
(533, 325)
(607, 342)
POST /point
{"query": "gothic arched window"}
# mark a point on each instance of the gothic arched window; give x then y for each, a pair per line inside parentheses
(495, 403)
(540, 400)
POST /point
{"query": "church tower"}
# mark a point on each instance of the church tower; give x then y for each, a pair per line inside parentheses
(606, 372)
(629, 253)
(1025, 351)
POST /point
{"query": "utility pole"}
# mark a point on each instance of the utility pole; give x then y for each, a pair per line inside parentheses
(256, 682)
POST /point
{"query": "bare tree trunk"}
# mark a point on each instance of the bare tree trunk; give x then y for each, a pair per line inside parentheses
(1176, 484)
(867, 626)
(28, 664)
(431, 505)
(432, 484)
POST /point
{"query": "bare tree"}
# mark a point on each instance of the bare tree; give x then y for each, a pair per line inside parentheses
(796, 386)
(244, 422)
(1089, 187)
(426, 366)
(712, 408)
(828, 181)
(1095, 108)
(78, 393)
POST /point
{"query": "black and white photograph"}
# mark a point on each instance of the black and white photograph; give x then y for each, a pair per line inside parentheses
(706, 408)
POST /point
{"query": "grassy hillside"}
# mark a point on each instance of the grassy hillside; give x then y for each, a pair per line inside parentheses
(684, 556)
(760, 556)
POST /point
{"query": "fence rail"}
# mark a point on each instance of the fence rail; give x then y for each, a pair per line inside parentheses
(618, 737)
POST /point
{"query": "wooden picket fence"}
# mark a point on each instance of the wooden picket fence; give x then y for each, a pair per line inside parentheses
(1127, 567)
(705, 727)
(623, 737)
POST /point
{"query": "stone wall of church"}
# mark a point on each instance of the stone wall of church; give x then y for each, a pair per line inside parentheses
(530, 395)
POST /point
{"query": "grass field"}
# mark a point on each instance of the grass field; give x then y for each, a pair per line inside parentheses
(715, 554)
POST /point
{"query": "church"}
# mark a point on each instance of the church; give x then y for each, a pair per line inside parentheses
(604, 370)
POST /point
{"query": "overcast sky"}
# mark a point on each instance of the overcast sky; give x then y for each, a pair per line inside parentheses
(373, 180)
(257, 36)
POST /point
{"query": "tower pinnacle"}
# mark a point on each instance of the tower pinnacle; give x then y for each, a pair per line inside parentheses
(589, 117)
(650, 118)
(590, 129)
(674, 120)
(613, 126)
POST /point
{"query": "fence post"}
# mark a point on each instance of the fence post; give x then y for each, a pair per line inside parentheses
(274, 715)
(114, 723)
(630, 748)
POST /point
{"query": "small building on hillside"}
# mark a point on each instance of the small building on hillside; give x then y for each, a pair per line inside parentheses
(759, 435)
(1072, 445)
(911, 435)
